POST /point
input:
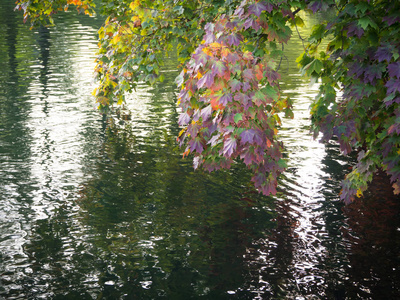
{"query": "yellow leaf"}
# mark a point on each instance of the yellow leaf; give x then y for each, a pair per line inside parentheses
(396, 187)
(134, 4)
(113, 83)
(208, 51)
(102, 100)
(199, 75)
(359, 193)
(215, 45)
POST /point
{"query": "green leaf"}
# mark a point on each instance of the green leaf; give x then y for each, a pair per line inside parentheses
(238, 117)
(366, 21)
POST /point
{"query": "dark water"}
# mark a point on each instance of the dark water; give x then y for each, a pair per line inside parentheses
(106, 208)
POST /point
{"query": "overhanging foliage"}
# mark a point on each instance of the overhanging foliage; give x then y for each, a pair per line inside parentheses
(230, 53)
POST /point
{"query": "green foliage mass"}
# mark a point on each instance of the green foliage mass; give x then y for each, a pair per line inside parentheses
(230, 53)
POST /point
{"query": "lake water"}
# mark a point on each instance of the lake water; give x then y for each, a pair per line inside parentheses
(95, 207)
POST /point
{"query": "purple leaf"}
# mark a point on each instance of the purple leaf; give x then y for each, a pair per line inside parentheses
(201, 57)
(269, 188)
(394, 69)
(214, 140)
(225, 98)
(206, 113)
(258, 137)
(209, 38)
(218, 68)
(384, 53)
(248, 74)
(393, 85)
(229, 146)
(318, 5)
(209, 28)
(184, 119)
(247, 136)
(234, 39)
(207, 80)
(257, 8)
(258, 179)
(248, 157)
(354, 29)
(250, 22)
(235, 85)
(246, 86)
(196, 145)
(373, 72)
(239, 11)
(184, 96)
(242, 98)
(393, 18)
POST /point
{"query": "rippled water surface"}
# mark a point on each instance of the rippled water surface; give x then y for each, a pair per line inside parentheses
(95, 207)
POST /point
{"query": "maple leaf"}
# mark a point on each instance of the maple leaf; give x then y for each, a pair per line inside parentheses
(249, 23)
(209, 38)
(225, 98)
(393, 85)
(319, 5)
(207, 80)
(259, 72)
(373, 72)
(258, 137)
(391, 19)
(196, 145)
(229, 146)
(239, 11)
(248, 74)
(242, 98)
(179, 79)
(271, 75)
(258, 179)
(183, 119)
(354, 29)
(201, 57)
(257, 8)
(270, 92)
(218, 68)
(259, 98)
(183, 96)
(219, 84)
(385, 52)
(214, 140)
(196, 162)
(235, 85)
(215, 104)
(394, 69)
(247, 136)
(246, 86)
(396, 188)
(234, 39)
(206, 112)
(209, 27)
(247, 156)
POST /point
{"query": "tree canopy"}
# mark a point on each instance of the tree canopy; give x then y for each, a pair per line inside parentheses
(230, 53)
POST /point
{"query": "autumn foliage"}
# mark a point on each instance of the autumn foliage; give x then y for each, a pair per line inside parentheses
(230, 54)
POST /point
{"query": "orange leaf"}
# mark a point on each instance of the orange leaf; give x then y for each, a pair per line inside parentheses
(225, 52)
(215, 104)
(259, 72)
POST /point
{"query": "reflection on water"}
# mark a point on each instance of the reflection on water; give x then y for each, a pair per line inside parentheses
(106, 208)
